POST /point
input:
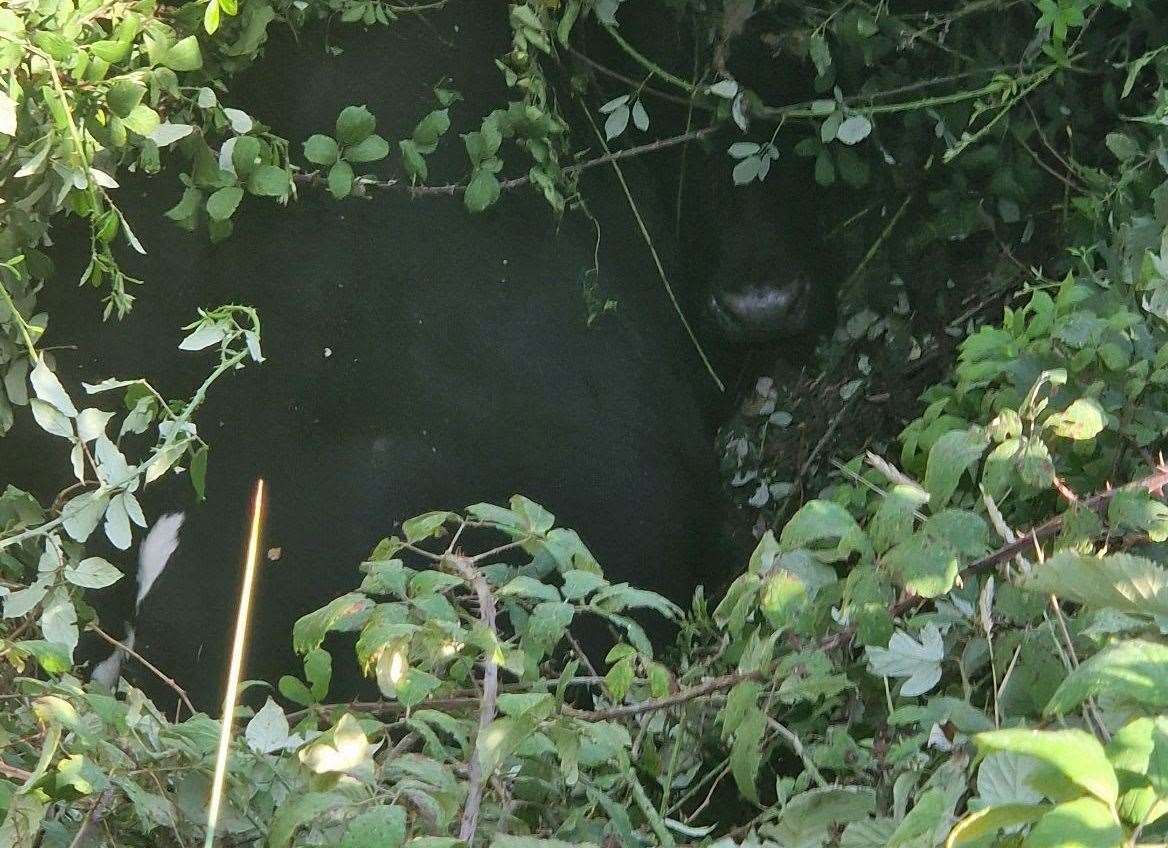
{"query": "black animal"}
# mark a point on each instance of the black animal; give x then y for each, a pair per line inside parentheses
(759, 281)
(418, 358)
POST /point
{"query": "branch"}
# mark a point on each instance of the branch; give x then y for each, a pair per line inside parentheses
(14, 773)
(1153, 484)
(456, 699)
(464, 568)
(714, 684)
(629, 81)
(315, 179)
(182, 693)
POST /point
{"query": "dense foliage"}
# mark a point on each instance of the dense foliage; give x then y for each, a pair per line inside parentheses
(960, 642)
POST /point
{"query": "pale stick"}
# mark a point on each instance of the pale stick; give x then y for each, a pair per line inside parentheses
(236, 668)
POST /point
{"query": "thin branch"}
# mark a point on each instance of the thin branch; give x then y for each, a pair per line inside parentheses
(458, 698)
(1152, 484)
(797, 746)
(14, 773)
(629, 81)
(714, 684)
(316, 179)
(178, 690)
(465, 568)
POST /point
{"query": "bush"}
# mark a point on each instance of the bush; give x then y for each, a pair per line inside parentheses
(962, 644)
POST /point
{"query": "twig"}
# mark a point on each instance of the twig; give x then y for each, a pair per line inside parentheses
(464, 568)
(714, 684)
(14, 773)
(846, 290)
(825, 438)
(629, 81)
(580, 652)
(797, 747)
(709, 366)
(656, 822)
(178, 690)
(1153, 482)
(316, 179)
(456, 699)
(93, 818)
(651, 66)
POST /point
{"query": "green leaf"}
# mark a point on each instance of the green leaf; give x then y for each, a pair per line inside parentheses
(294, 690)
(1004, 778)
(1082, 823)
(950, 456)
(930, 809)
(371, 149)
(354, 125)
(824, 522)
(1074, 754)
(269, 181)
(1137, 509)
(482, 191)
(211, 17)
(923, 566)
(1123, 582)
(746, 752)
(528, 587)
(111, 51)
(894, 519)
(1158, 759)
(1132, 671)
(413, 161)
(381, 827)
(267, 731)
(142, 120)
(51, 656)
(500, 740)
(619, 678)
(822, 809)
(340, 179)
(782, 598)
(321, 150)
(318, 669)
(343, 749)
(425, 526)
(310, 630)
(509, 841)
(93, 573)
(222, 204)
(740, 702)
(975, 826)
(123, 96)
(430, 129)
(387, 577)
(919, 662)
(184, 55)
(854, 129)
(81, 514)
(297, 811)
(536, 705)
(245, 155)
(1131, 754)
(1083, 419)
(414, 687)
